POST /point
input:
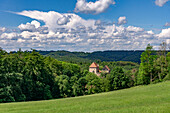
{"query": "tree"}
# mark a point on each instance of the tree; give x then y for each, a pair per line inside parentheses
(117, 79)
(82, 85)
(167, 77)
(162, 61)
(105, 85)
(10, 87)
(93, 83)
(146, 70)
(64, 86)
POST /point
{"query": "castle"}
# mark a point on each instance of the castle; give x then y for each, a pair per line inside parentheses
(94, 68)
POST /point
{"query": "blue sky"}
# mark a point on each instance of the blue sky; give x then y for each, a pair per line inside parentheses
(149, 15)
(143, 13)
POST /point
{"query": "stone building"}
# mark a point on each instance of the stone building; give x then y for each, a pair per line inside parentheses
(94, 68)
(106, 69)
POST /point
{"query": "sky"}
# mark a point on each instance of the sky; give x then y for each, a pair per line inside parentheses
(84, 25)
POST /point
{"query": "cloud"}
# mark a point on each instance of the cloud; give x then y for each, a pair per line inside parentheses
(2, 29)
(98, 22)
(165, 33)
(167, 24)
(10, 36)
(168, 42)
(35, 23)
(122, 20)
(54, 20)
(34, 26)
(93, 7)
(77, 34)
(63, 20)
(150, 32)
(160, 2)
(29, 26)
(134, 29)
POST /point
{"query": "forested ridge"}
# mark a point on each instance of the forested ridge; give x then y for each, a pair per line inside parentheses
(27, 76)
(117, 55)
(111, 55)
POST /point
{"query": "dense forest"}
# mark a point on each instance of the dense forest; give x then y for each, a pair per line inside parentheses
(27, 76)
(74, 57)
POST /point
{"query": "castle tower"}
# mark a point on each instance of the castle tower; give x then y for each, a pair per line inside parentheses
(94, 68)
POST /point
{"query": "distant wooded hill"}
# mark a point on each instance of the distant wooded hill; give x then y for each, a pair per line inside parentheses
(119, 55)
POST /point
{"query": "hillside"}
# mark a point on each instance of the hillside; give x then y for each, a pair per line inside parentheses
(119, 55)
(146, 99)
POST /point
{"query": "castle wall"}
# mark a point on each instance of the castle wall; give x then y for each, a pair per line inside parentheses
(93, 70)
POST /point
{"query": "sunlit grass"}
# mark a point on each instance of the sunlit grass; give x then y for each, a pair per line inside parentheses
(140, 99)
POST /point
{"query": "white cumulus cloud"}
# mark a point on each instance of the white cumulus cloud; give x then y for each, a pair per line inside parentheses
(93, 7)
(77, 34)
(11, 36)
(29, 26)
(165, 33)
(160, 2)
(122, 20)
(134, 29)
(2, 29)
(55, 20)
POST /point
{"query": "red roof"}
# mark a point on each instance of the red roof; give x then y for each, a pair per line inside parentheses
(107, 67)
(93, 65)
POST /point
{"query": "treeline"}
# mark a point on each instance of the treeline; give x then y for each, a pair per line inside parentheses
(154, 66)
(109, 56)
(27, 76)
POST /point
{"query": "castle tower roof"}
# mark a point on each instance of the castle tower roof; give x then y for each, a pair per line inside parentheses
(93, 65)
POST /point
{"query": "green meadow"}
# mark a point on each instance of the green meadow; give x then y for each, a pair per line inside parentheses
(154, 98)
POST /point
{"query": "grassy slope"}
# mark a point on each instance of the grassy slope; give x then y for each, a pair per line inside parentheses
(148, 99)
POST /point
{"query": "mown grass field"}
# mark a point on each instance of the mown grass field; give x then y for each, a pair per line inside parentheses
(153, 98)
